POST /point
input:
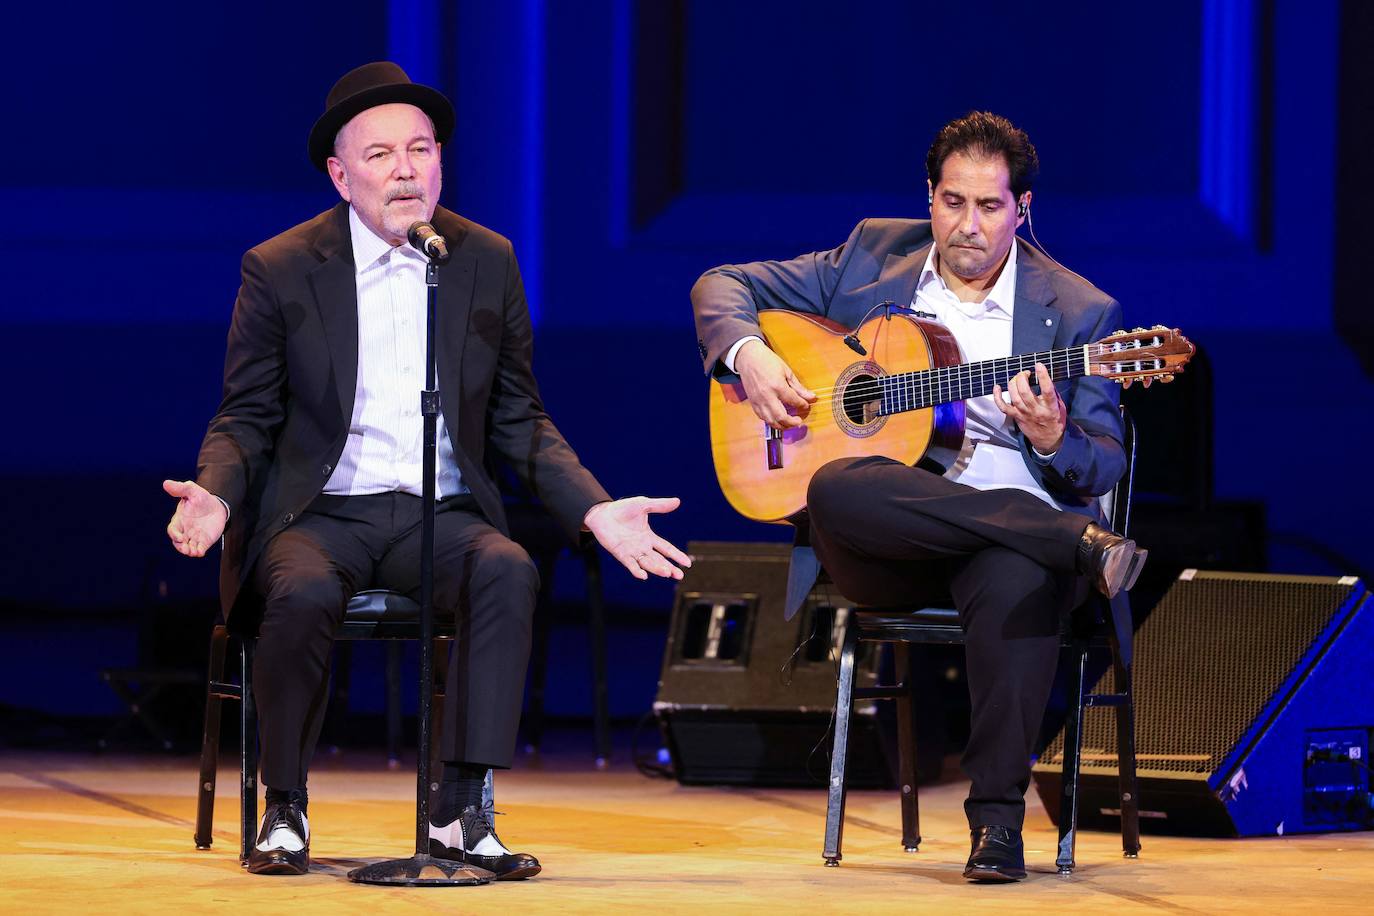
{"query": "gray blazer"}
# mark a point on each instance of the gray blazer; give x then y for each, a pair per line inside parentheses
(882, 260)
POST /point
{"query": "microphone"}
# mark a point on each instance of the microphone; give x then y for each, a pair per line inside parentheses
(425, 238)
(852, 338)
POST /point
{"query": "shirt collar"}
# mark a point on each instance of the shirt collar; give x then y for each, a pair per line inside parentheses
(370, 248)
(1002, 296)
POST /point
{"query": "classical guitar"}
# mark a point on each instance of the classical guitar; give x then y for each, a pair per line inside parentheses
(903, 398)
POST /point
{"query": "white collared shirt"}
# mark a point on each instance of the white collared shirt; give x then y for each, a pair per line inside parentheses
(383, 452)
(991, 455)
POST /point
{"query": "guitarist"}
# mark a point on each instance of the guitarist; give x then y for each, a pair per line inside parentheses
(1010, 531)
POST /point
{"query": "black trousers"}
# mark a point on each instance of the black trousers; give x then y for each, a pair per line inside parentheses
(343, 544)
(890, 534)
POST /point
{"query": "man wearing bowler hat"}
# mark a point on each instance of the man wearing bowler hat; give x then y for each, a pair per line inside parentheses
(311, 469)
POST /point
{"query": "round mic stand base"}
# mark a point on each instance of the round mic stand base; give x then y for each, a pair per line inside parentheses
(421, 871)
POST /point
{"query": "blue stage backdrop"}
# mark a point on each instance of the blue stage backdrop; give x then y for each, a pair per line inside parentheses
(1188, 167)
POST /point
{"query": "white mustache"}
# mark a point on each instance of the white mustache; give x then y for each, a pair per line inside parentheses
(408, 189)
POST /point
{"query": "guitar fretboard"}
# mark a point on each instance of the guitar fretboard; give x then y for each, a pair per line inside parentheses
(928, 387)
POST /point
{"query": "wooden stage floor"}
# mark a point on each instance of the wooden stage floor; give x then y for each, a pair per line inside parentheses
(113, 834)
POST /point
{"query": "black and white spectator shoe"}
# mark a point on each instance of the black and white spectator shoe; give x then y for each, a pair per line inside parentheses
(283, 846)
(471, 839)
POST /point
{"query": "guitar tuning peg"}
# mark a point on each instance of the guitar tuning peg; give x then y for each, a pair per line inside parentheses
(1137, 330)
(1126, 383)
(1166, 379)
(1160, 327)
(1116, 332)
(1146, 381)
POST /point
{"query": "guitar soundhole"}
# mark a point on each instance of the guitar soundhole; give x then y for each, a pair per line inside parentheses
(858, 399)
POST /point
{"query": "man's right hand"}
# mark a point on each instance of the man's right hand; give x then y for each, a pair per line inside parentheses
(199, 520)
(772, 388)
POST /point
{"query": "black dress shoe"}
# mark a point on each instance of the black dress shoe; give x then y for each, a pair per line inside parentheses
(471, 839)
(1114, 562)
(997, 855)
(283, 846)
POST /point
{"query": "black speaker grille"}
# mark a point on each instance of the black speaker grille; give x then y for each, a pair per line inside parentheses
(1207, 660)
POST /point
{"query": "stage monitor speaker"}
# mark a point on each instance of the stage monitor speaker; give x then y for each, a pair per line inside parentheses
(1254, 707)
(746, 697)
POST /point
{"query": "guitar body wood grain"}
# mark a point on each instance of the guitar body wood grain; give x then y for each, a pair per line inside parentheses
(841, 423)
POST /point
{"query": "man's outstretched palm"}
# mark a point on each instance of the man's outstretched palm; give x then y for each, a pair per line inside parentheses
(622, 527)
(199, 519)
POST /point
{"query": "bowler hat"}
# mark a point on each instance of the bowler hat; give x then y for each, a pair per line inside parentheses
(368, 86)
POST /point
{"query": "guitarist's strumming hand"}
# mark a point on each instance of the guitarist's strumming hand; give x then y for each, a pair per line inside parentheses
(1041, 417)
(778, 398)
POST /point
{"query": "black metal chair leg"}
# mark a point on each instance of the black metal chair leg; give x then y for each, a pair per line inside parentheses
(596, 635)
(1077, 657)
(844, 707)
(905, 663)
(340, 680)
(209, 740)
(393, 704)
(539, 655)
(1125, 758)
(248, 751)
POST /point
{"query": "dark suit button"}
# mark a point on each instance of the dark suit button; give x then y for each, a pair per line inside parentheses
(326, 469)
(1071, 475)
(288, 518)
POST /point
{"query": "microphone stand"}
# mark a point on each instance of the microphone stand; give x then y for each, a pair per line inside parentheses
(422, 869)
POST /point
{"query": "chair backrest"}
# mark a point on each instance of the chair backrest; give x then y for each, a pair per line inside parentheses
(1115, 504)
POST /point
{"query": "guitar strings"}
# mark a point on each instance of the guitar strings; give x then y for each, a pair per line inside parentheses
(1057, 359)
(948, 377)
(911, 390)
(916, 385)
(976, 372)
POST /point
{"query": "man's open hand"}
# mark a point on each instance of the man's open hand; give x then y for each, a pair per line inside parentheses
(199, 519)
(622, 527)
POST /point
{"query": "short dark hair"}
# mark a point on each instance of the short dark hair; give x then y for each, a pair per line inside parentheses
(982, 133)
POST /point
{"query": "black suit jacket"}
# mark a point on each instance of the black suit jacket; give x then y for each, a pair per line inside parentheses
(290, 375)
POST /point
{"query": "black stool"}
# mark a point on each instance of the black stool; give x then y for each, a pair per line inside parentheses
(138, 688)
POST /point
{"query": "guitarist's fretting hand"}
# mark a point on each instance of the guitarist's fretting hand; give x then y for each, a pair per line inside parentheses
(772, 388)
(1041, 417)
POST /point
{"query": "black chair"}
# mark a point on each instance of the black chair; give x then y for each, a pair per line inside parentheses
(1089, 627)
(372, 614)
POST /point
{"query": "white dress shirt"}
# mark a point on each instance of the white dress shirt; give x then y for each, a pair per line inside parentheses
(991, 455)
(383, 451)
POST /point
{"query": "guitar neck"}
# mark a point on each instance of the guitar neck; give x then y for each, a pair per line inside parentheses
(929, 387)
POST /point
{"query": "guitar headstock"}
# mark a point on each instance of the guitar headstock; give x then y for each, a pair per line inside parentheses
(1142, 355)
